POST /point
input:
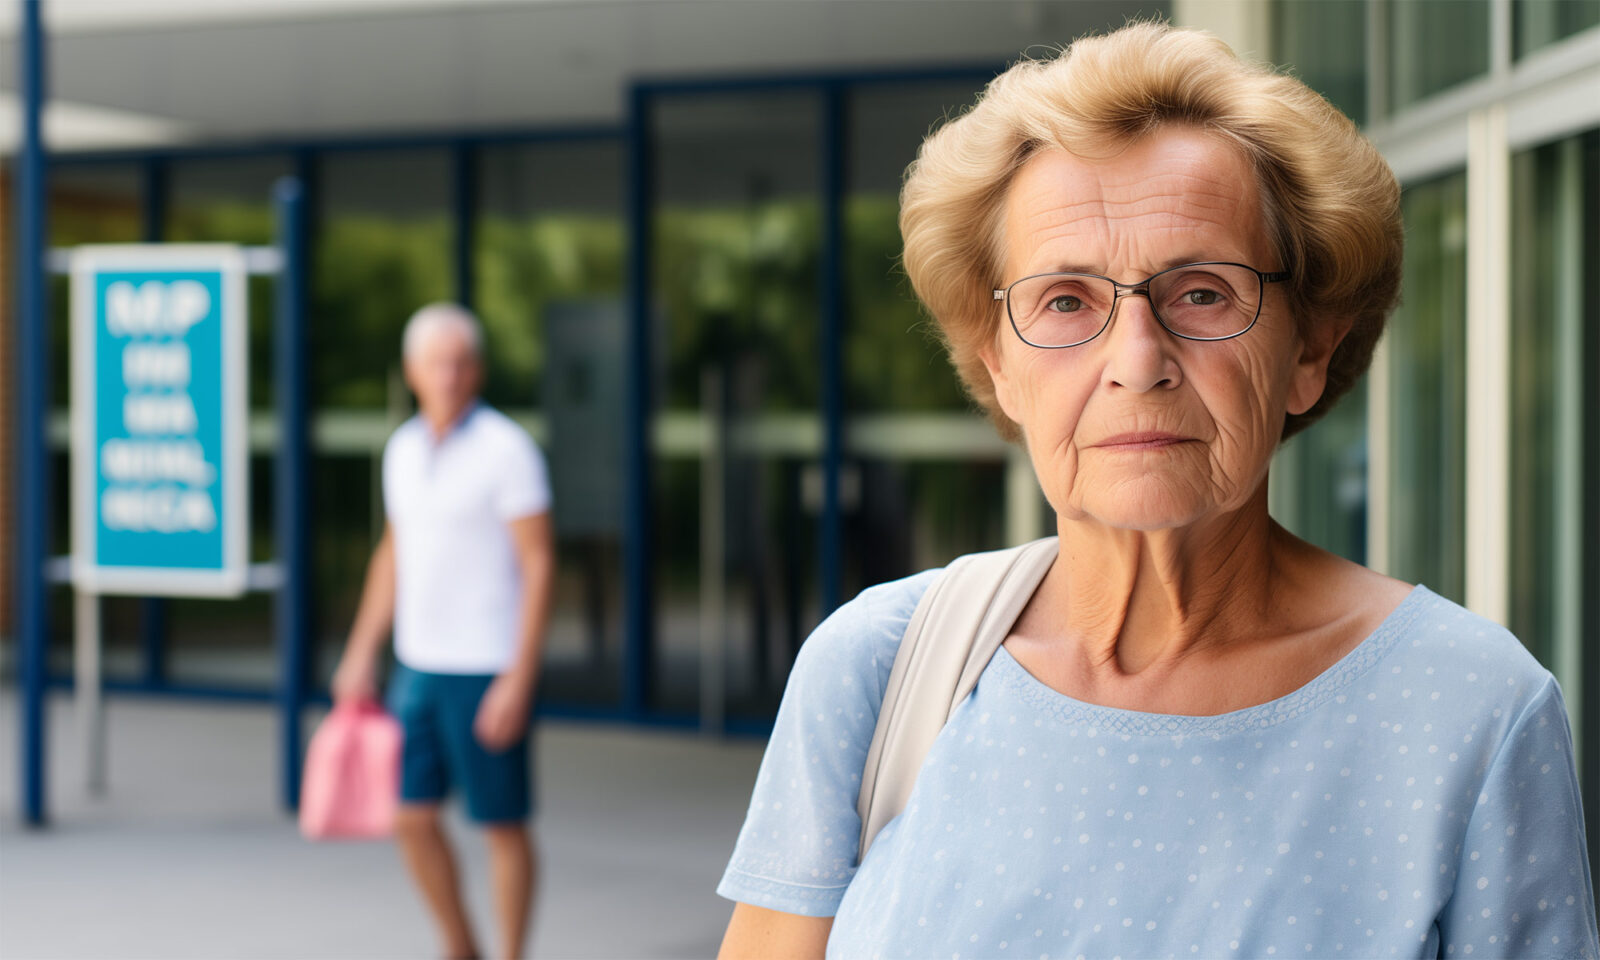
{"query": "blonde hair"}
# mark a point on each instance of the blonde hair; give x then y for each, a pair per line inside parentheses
(1330, 202)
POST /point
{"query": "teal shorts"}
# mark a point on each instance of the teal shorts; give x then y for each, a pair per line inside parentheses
(440, 752)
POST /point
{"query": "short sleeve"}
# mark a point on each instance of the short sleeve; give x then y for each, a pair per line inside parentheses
(797, 850)
(523, 486)
(1523, 887)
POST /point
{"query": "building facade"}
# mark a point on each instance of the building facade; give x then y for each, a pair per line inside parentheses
(723, 178)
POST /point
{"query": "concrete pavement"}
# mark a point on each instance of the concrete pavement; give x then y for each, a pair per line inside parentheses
(188, 855)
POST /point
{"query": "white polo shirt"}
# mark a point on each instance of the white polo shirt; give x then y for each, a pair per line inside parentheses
(458, 585)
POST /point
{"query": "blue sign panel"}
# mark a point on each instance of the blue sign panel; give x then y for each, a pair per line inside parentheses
(159, 420)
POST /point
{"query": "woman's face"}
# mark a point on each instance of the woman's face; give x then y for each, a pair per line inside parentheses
(1137, 428)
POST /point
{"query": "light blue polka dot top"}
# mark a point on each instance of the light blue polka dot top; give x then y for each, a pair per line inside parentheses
(1416, 800)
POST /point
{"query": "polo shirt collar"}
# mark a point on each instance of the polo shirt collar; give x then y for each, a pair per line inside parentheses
(454, 428)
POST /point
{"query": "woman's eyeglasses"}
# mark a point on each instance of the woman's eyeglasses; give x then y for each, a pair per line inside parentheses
(1195, 301)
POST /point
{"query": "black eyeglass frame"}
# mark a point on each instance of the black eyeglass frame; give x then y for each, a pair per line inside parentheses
(1142, 288)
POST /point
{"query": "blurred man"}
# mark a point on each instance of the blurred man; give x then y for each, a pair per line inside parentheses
(463, 576)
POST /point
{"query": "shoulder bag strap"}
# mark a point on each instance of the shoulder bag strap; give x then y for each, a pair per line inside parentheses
(964, 616)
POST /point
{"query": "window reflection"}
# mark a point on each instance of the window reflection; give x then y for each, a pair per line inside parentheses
(1554, 292)
(736, 249)
(1319, 479)
(228, 200)
(548, 284)
(1434, 45)
(1539, 23)
(908, 506)
(382, 248)
(1427, 386)
(88, 203)
(1324, 42)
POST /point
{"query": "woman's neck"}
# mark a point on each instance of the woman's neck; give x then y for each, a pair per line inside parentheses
(1136, 599)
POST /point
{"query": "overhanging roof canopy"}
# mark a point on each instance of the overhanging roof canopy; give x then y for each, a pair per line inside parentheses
(138, 72)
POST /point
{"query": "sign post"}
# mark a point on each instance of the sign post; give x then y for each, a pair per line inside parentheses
(159, 447)
(159, 496)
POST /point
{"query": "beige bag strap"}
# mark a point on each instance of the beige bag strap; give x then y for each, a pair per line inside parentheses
(961, 620)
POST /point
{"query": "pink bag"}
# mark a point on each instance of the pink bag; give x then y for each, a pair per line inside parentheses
(352, 775)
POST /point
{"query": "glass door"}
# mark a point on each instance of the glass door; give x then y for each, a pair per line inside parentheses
(736, 246)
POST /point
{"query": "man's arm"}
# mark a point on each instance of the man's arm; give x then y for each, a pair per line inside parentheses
(357, 675)
(503, 715)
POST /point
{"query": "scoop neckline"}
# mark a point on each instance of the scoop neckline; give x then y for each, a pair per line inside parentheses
(1315, 692)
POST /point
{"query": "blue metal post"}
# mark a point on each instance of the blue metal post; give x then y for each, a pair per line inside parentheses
(465, 200)
(153, 610)
(292, 389)
(638, 535)
(32, 399)
(154, 212)
(831, 301)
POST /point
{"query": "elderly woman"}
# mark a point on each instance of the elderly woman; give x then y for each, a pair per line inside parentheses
(1202, 737)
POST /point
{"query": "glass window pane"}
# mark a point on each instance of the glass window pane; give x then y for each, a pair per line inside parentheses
(1538, 23)
(346, 522)
(1324, 42)
(549, 231)
(96, 203)
(1319, 479)
(1434, 45)
(1427, 389)
(382, 248)
(736, 246)
(228, 200)
(909, 510)
(1554, 294)
(893, 358)
(548, 268)
(88, 203)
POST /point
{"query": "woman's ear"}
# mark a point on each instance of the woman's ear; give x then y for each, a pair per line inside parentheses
(1317, 346)
(1003, 390)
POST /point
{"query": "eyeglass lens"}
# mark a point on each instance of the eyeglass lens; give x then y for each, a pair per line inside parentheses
(1202, 301)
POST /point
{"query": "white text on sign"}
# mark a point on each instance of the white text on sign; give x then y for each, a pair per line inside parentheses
(159, 477)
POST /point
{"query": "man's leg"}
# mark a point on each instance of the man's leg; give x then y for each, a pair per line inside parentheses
(498, 788)
(415, 700)
(514, 870)
(433, 867)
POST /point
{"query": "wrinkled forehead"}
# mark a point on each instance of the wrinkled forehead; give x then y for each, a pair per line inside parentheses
(1173, 197)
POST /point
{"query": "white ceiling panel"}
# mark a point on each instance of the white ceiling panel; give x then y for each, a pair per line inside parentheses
(319, 68)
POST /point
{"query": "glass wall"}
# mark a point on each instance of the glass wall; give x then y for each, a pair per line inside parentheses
(1319, 479)
(736, 246)
(548, 284)
(1427, 374)
(1434, 45)
(102, 203)
(228, 200)
(913, 505)
(382, 247)
(1555, 286)
(1539, 23)
(1324, 43)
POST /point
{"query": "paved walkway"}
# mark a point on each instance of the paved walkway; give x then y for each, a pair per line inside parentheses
(188, 856)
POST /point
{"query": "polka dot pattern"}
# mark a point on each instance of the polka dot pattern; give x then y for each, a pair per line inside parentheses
(1417, 799)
